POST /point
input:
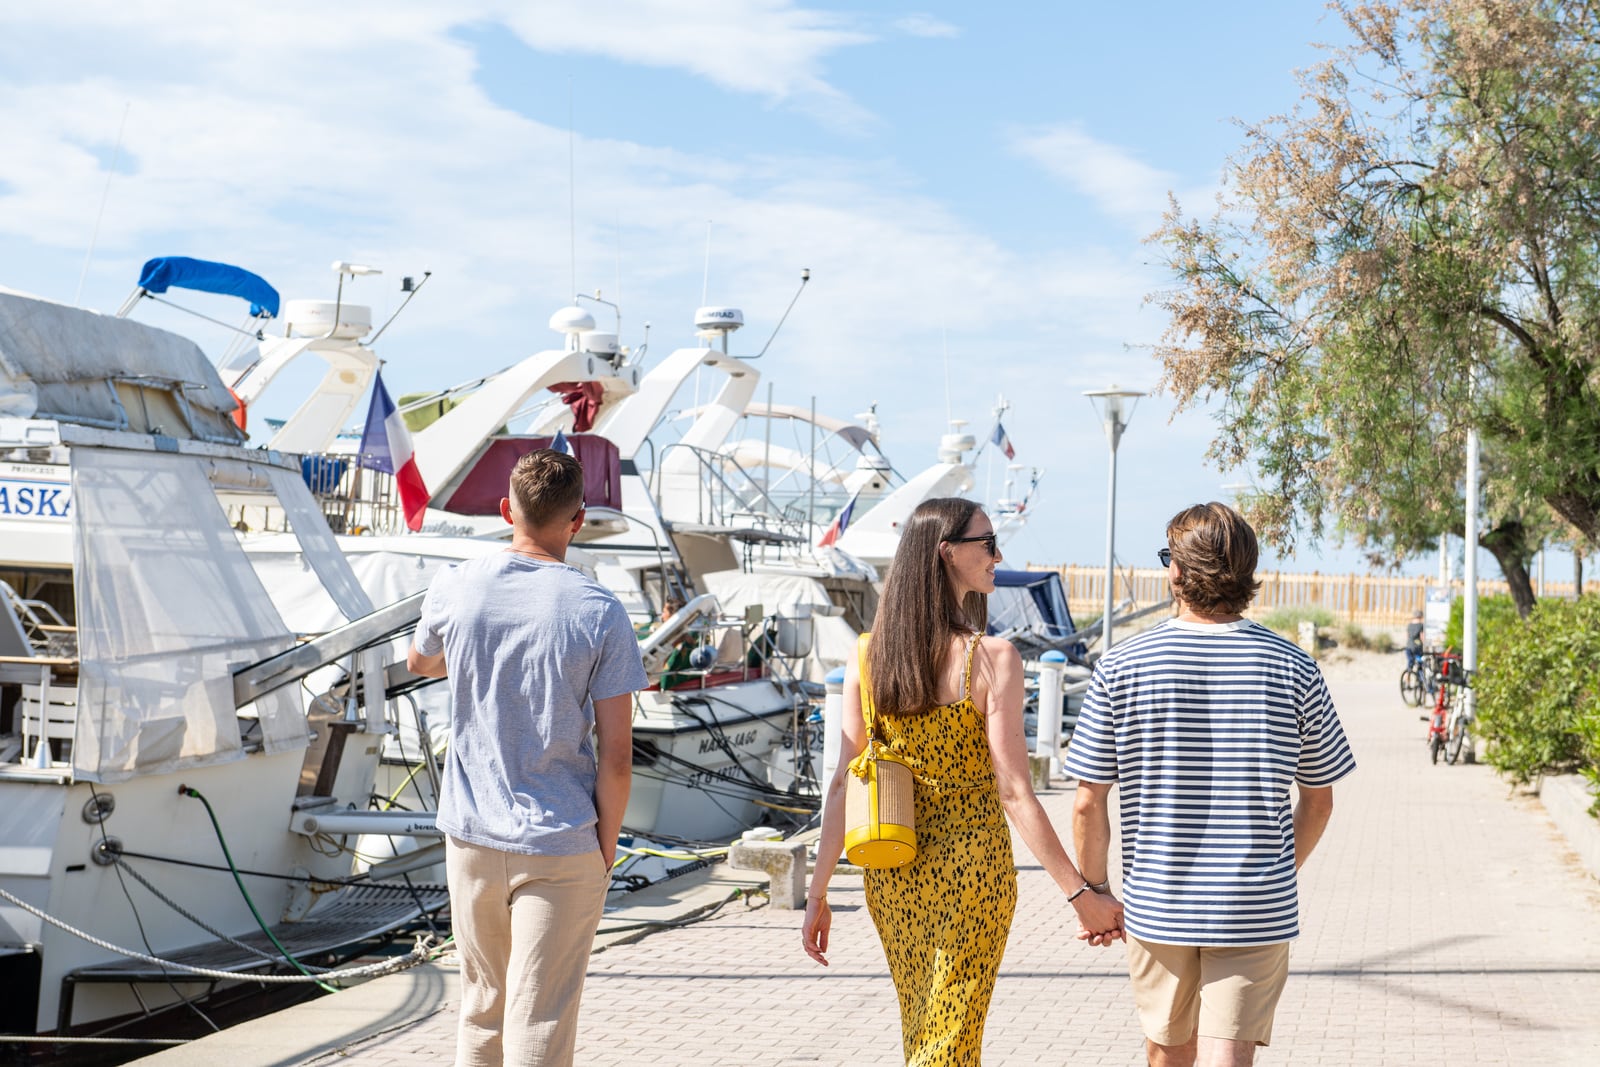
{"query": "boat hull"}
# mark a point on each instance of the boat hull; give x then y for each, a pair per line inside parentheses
(704, 761)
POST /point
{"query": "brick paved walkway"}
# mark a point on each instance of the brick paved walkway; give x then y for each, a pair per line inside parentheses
(1443, 924)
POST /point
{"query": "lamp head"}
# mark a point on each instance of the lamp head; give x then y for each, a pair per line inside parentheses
(1115, 404)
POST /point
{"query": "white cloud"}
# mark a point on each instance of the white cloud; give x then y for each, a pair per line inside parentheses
(769, 48)
(921, 25)
(1108, 175)
(358, 132)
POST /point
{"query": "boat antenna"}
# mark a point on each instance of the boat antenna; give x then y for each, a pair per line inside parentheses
(105, 194)
(705, 281)
(599, 299)
(944, 339)
(805, 276)
(572, 188)
(409, 286)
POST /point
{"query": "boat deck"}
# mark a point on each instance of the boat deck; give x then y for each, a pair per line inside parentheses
(341, 928)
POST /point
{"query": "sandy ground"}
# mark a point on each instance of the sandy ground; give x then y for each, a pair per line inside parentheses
(1346, 665)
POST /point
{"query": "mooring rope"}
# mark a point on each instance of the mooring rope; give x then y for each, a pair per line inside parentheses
(420, 952)
(218, 934)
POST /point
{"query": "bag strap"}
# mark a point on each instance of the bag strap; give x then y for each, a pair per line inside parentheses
(866, 687)
(966, 685)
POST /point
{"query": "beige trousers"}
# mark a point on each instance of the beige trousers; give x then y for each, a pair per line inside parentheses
(523, 926)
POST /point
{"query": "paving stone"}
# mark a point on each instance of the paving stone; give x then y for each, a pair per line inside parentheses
(1444, 922)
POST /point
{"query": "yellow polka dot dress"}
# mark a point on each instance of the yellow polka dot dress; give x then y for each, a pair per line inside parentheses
(944, 917)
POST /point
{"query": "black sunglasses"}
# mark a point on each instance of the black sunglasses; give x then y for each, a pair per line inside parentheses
(987, 540)
(1165, 556)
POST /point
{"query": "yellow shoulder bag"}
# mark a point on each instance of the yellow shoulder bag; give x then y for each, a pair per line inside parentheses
(879, 811)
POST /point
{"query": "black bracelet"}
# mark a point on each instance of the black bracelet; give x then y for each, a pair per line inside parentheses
(1080, 891)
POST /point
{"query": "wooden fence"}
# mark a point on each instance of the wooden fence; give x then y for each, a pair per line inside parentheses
(1369, 600)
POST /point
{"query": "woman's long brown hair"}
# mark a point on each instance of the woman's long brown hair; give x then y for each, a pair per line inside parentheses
(918, 612)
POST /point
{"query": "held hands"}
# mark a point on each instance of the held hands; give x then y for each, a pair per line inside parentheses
(1099, 918)
(814, 933)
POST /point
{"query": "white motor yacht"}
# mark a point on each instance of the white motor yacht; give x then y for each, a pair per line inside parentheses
(181, 773)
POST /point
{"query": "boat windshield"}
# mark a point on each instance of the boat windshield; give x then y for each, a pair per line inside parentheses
(168, 605)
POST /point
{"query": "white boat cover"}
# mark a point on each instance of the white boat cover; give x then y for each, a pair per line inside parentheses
(59, 362)
(779, 594)
(168, 606)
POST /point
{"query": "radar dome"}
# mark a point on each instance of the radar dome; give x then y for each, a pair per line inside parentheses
(571, 320)
(314, 318)
(718, 319)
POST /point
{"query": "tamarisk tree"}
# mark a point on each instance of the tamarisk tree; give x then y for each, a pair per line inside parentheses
(1414, 249)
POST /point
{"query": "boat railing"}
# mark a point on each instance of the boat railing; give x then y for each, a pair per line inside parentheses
(718, 501)
(46, 713)
(353, 498)
(766, 646)
(41, 658)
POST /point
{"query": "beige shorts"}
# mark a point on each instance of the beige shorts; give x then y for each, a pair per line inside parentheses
(1225, 992)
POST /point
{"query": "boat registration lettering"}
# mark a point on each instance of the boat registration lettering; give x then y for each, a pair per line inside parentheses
(29, 499)
(748, 737)
(722, 774)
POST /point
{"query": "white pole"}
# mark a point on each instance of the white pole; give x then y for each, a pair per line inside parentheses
(832, 727)
(1469, 613)
(1111, 537)
(1047, 739)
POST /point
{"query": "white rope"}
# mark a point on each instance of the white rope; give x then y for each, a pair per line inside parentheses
(218, 934)
(419, 954)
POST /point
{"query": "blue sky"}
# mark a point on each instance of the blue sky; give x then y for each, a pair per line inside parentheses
(955, 178)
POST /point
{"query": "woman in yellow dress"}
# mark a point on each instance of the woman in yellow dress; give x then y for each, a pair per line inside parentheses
(949, 702)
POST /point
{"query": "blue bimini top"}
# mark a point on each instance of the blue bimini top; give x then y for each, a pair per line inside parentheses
(165, 272)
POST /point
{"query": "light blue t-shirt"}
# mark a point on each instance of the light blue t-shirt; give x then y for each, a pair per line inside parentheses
(529, 646)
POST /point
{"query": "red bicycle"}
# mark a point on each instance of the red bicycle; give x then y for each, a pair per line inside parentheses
(1449, 724)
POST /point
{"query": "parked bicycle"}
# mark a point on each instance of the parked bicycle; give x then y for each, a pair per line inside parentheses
(1417, 681)
(1450, 723)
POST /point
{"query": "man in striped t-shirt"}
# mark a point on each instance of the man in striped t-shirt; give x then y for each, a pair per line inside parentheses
(1203, 722)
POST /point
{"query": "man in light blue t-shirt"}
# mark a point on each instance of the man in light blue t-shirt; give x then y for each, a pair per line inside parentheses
(1205, 722)
(543, 665)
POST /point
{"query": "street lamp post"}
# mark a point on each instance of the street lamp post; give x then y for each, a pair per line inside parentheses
(1115, 406)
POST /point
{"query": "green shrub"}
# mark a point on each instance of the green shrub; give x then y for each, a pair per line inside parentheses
(1287, 620)
(1538, 690)
(1493, 611)
(1353, 636)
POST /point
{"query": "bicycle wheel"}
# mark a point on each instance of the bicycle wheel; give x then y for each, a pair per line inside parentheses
(1435, 746)
(1411, 687)
(1452, 748)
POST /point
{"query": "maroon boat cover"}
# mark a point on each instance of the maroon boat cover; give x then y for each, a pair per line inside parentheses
(485, 484)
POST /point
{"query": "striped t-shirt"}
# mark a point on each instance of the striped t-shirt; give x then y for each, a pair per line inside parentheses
(1203, 727)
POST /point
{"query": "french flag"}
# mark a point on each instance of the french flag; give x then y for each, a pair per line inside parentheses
(386, 446)
(840, 523)
(1003, 440)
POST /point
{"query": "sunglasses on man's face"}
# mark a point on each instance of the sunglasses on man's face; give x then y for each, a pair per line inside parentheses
(1165, 556)
(986, 540)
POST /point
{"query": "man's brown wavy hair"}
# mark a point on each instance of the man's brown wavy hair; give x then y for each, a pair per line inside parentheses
(919, 612)
(1216, 553)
